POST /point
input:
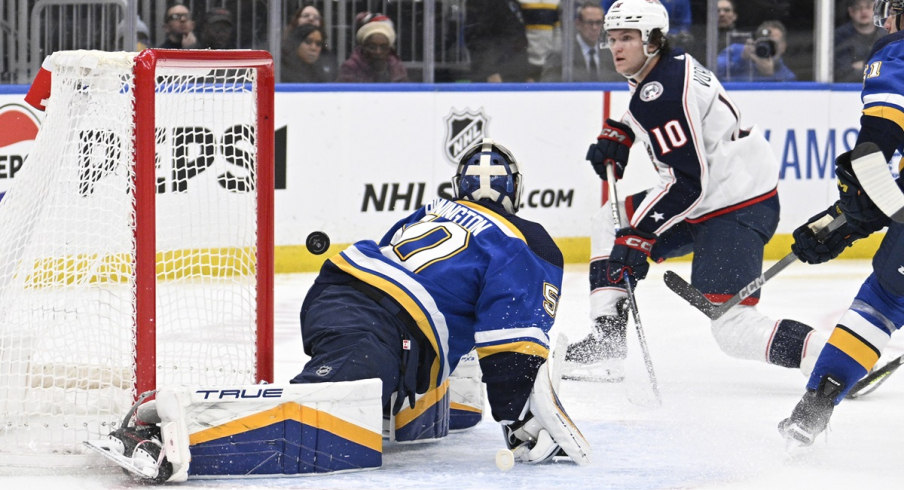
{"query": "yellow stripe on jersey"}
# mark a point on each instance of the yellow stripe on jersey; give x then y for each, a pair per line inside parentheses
(855, 347)
(299, 413)
(529, 348)
(464, 408)
(496, 218)
(398, 294)
(885, 112)
(424, 403)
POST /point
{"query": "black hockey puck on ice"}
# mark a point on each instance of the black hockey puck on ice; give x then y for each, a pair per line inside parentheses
(317, 242)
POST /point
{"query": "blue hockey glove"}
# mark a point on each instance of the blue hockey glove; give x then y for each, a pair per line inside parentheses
(613, 144)
(852, 199)
(630, 253)
(812, 251)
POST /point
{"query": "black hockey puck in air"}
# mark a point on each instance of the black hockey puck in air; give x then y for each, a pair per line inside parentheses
(317, 242)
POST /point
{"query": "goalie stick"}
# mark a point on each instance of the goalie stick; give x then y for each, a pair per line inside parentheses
(632, 301)
(874, 379)
(714, 310)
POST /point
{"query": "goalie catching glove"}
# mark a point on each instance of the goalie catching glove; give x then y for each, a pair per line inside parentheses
(544, 430)
(613, 144)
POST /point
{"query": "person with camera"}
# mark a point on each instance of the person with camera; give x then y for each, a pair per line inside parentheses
(757, 60)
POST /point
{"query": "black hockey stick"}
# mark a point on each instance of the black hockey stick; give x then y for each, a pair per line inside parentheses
(874, 379)
(632, 301)
(714, 310)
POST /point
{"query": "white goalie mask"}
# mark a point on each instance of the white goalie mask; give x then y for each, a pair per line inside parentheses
(489, 171)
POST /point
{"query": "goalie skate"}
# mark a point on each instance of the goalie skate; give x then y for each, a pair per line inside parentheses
(137, 451)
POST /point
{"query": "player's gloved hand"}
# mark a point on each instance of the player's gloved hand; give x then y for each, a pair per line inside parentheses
(811, 250)
(543, 432)
(613, 144)
(630, 253)
(853, 201)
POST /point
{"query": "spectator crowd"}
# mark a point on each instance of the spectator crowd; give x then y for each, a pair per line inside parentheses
(521, 40)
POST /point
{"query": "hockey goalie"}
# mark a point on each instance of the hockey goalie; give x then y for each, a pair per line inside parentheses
(390, 328)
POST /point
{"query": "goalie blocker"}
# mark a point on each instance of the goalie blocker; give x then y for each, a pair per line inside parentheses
(287, 430)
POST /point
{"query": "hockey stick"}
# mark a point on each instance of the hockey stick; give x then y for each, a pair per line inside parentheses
(692, 295)
(632, 301)
(871, 169)
(872, 380)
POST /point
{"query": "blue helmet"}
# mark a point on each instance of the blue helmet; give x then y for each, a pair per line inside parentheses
(489, 171)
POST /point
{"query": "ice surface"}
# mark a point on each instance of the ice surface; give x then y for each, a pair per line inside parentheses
(715, 430)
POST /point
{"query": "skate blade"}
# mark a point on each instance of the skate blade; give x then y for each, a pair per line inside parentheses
(590, 378)
(105, 448)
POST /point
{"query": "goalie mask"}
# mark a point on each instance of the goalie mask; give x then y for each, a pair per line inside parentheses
(489, 171)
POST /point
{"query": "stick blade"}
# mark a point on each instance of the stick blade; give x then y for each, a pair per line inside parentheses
(871, 169)
(690, 294)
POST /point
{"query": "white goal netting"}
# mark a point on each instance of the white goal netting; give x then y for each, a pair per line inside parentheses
(71, 324)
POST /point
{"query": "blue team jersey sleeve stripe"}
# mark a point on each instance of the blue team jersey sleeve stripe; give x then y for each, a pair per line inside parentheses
(410, 295)
(533, 334)
(503, 224)
(528, 347)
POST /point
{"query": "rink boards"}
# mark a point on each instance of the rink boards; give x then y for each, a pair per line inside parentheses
(351, 160)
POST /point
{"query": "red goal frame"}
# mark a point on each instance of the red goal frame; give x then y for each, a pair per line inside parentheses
(146, 64)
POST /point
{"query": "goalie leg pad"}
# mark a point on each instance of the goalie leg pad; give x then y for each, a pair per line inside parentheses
(279, 429)
(546, 408)
(466, 400)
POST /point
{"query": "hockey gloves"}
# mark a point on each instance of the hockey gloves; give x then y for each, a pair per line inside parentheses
(812, 251)
(545, 430)
(630, 253)
(613, 144)
(853, 200)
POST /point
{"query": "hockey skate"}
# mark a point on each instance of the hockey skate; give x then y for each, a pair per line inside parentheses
(811, 415)
(600, 357)
(138, 450)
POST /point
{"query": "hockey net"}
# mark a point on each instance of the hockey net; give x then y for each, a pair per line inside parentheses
(138, 241)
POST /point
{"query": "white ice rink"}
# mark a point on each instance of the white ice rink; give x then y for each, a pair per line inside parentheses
(715, 430)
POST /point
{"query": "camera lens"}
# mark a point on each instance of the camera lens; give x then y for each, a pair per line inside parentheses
(764, 48)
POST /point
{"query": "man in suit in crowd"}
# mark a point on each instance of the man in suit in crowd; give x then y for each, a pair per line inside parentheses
(590, 63)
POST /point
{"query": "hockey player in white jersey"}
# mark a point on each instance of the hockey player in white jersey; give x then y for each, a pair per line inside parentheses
(386, 323)
(716, 197)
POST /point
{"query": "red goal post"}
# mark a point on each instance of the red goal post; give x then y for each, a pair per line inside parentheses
(140, 241)
(146, 64)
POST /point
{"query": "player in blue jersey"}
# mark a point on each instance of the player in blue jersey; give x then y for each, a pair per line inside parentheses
(878, 308)
(452, 276)
(716, 197)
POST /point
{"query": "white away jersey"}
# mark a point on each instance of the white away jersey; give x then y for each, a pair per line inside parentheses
(707, 163)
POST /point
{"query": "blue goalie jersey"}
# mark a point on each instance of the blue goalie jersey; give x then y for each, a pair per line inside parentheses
(469, 274)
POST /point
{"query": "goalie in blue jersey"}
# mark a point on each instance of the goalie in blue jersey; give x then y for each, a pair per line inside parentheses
(398, 332)
(878, 308)
(451, 277)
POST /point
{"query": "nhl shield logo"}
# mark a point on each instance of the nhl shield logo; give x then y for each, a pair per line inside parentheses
(463, 130)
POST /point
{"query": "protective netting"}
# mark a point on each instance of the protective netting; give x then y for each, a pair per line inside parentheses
(67, 287)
